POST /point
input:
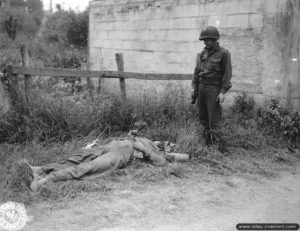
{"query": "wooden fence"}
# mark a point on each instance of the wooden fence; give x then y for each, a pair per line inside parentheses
(16, 96)
(28, 72)
(95, 74)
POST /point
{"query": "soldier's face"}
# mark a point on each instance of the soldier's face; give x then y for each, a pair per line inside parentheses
(209, 43)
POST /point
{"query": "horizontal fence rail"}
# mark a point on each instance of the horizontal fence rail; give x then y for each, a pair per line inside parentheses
(16, 95)
(96, 74)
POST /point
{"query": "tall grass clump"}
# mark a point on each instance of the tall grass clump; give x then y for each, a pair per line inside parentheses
(57, 117)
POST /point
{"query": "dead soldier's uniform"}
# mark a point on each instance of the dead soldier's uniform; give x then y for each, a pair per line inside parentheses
(98, 160)
(212, 76)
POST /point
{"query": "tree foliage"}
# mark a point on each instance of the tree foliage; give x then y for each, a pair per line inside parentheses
(35, 8)
(28, 22)
(67, 28)
(17, 3)
(35, 5)
(77, 33)
(56, 27)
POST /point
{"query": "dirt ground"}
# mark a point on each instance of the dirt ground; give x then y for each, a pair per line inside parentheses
(200, 201)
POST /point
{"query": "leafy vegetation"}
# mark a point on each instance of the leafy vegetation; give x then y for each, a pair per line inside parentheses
(67, 28)
(59, 123)
(48, 36)
(280, 121)
(271, 118)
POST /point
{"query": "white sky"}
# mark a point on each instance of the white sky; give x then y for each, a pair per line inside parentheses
(66, 4)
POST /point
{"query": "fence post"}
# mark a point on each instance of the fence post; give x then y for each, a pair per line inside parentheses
(5, 102)
(99, 87)
(99, 84)
(26, 63)
(86, 66)
(120, 65)
(14, 90)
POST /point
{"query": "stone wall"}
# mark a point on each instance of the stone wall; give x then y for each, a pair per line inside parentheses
(161, 36)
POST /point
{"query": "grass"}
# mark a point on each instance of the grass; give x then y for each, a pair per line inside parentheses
(57, 126)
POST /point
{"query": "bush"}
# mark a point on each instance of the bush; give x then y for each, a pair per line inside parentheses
(66, 61)
(280, 121)
(271, 119)
(71, 61)
(244, 106)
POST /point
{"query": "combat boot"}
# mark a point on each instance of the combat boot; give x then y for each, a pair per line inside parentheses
(223, 148)
(207, 137)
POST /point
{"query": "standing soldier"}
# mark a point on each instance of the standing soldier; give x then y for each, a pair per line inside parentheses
(211, 81)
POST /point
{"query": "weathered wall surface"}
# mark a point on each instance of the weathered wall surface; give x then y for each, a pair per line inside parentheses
(161, 36)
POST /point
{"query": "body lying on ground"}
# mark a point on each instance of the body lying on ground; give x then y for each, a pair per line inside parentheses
(101, 159)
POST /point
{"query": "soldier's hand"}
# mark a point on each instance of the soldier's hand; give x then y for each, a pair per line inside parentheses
(221, 97)
(193, 93)
(194, 96)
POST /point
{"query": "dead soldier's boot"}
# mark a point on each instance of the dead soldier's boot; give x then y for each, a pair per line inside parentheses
(33, 176)
(24, 171)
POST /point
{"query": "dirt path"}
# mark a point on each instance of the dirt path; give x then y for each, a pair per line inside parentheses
(196, 203)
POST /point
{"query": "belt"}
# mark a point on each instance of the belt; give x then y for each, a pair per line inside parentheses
(217, 83)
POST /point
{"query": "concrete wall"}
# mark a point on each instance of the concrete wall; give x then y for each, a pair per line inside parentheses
(161, 36)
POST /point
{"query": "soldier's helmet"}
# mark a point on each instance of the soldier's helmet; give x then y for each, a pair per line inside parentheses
(209, 32)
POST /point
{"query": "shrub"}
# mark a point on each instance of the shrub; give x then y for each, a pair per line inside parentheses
(280, 121)
(66, 61)
(71, 61)
(244, 106)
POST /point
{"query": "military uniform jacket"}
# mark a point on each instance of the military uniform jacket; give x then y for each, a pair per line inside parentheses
(213, 67)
